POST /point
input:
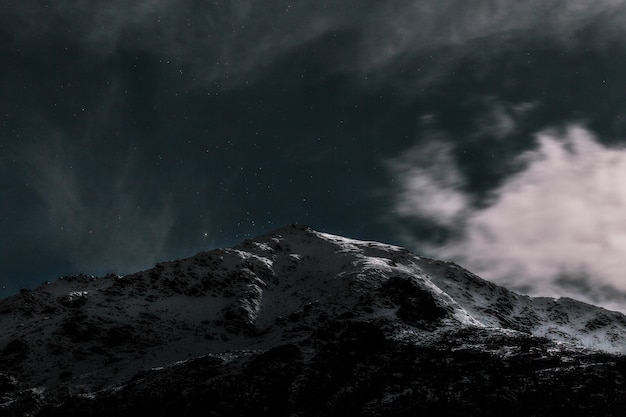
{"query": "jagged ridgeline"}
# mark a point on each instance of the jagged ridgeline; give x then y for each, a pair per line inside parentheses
(303, 323)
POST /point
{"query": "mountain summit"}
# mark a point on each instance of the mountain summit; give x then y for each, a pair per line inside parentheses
(298, 322)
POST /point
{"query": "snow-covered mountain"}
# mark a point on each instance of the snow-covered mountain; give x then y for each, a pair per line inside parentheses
(81, 339)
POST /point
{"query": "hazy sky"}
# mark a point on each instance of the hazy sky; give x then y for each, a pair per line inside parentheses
(491, 133)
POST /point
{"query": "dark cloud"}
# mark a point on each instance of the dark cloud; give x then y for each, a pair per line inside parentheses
(227, 39)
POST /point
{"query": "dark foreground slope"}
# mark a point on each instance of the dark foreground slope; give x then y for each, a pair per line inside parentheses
(355, 370)
(301, 323)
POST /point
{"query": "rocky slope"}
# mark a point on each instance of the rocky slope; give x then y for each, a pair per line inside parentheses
(299, 322)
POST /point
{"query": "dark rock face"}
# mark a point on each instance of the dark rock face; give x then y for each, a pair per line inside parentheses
(300, 323)
(417, 306)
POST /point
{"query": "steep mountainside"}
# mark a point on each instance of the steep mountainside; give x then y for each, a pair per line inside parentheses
(299, 322)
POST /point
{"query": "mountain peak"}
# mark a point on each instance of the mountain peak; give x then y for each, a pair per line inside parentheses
(285, 288)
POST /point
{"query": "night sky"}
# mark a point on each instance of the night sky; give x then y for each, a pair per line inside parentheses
(491, 133)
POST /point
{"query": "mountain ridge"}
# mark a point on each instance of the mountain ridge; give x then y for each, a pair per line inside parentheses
(292, 293)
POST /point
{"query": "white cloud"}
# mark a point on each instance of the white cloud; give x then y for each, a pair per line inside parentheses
(557, 228)
(563, 214)
(427, 182)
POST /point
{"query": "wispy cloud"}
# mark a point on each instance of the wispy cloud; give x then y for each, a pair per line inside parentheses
(500, 120)
(102, 225)
(555, 228)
